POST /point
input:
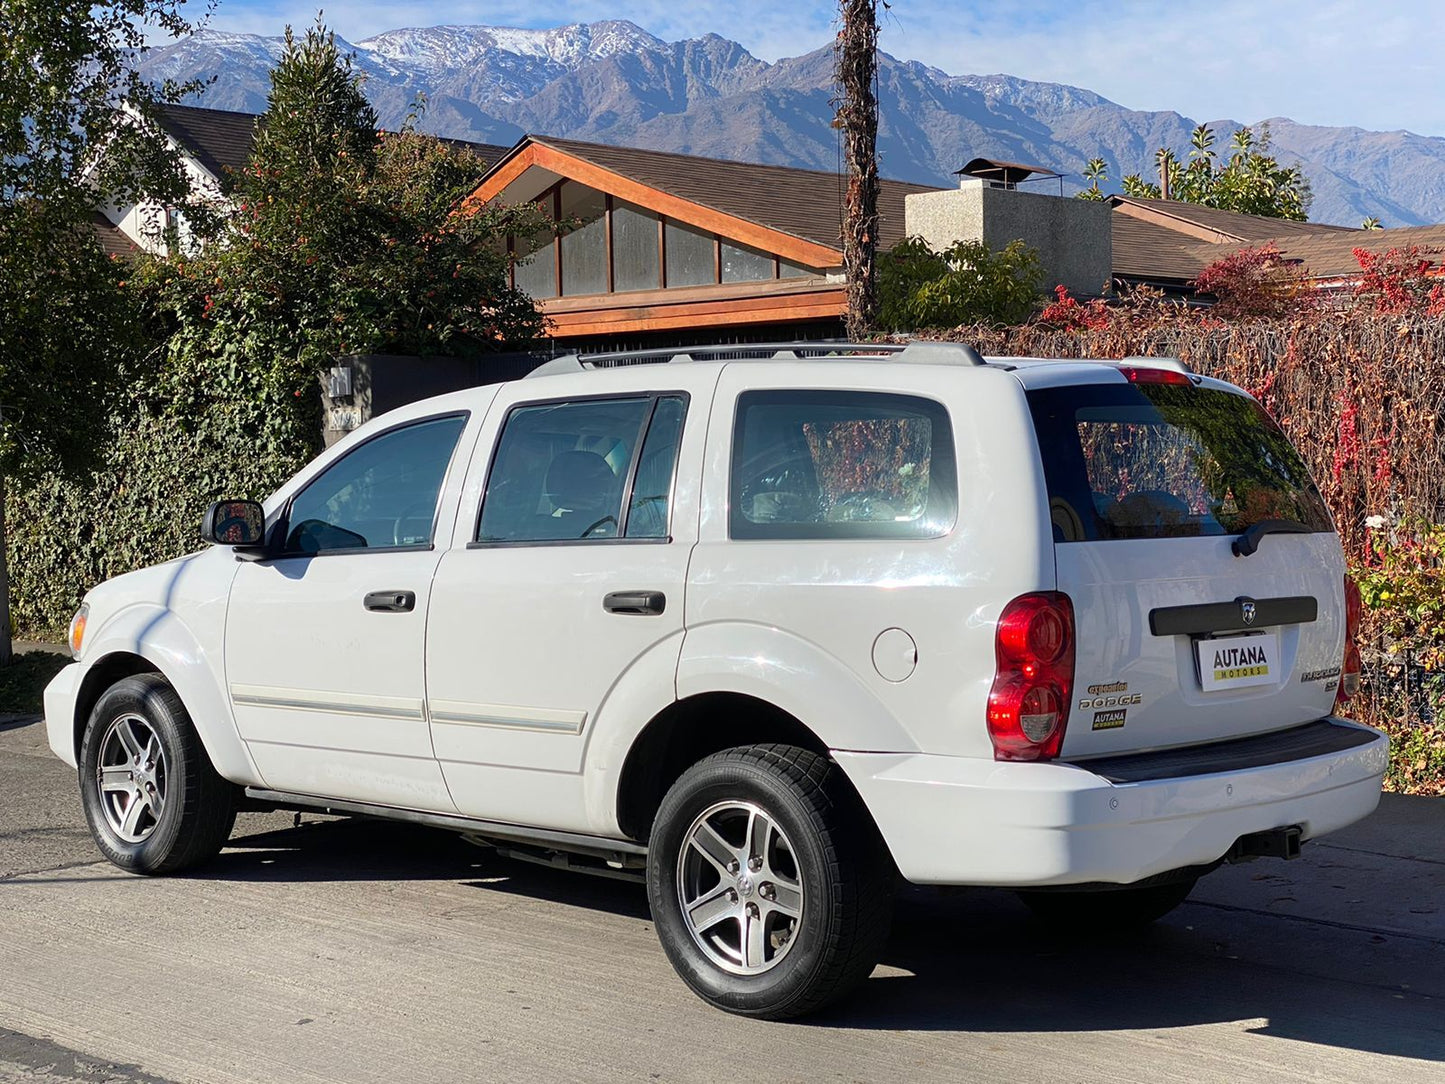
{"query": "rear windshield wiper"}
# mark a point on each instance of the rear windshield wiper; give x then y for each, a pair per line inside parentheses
(1248, 542)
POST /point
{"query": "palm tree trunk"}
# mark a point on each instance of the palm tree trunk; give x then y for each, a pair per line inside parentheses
(856, 68)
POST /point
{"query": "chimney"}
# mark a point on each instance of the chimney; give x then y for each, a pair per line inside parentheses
(1165, 160)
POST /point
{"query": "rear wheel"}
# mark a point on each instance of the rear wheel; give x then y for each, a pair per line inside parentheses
(152, 799)
(1108, 910)
(771, 891)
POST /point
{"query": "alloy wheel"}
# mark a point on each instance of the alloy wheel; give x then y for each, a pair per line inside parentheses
(739, 887)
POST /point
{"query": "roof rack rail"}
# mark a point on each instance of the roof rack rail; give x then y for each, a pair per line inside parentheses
(917, 351)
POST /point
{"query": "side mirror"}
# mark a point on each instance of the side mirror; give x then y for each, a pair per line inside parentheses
(234, 523)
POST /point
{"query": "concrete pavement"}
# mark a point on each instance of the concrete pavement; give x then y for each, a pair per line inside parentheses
(355, 951)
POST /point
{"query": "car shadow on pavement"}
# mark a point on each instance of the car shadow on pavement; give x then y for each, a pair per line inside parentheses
(964, 960)
(366, 849)
(975, 960)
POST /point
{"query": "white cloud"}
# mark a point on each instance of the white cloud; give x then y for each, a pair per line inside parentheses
(1332, 62)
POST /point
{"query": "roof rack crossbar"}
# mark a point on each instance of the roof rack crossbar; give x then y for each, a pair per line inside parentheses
(918, 351)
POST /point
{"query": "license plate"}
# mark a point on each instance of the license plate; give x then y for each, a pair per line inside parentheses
(1235, 662)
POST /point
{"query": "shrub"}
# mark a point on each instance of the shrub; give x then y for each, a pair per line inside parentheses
(1254, 282)
(966, 283)
(1400, 281)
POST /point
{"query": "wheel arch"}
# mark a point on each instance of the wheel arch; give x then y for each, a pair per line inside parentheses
(102, 674)
(151, 639)
(685, 732)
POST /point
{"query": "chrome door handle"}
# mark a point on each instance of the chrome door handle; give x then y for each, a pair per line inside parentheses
(635, 602)
(391, 602)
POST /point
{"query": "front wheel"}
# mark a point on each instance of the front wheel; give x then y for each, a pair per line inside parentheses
(771, 890)
(152, 799)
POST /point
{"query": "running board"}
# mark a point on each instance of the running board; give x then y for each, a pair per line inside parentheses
(623, 852)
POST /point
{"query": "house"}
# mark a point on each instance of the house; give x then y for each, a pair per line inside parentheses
(662, 248)
(1328, 261)
(1166, 243)
(213, 144)
(659, 247)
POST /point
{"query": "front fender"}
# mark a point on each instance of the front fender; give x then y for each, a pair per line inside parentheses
(193, 669)
(795, 675)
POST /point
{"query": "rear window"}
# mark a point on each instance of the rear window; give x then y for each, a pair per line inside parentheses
(1166, 461)
(816, 464)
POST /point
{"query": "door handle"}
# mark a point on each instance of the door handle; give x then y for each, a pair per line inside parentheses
(391, 602)
(635, 602)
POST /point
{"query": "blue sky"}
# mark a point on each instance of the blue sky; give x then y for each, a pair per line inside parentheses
(1338, 62)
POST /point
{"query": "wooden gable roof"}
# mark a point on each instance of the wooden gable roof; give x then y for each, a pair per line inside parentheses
(794, 213)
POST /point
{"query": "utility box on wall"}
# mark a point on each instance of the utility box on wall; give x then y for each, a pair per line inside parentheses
(1073, 237)
(360, 387)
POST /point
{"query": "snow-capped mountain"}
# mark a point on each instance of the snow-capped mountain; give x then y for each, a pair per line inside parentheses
(613, 82)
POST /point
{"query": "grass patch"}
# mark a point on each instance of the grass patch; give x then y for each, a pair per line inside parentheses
(24, 679)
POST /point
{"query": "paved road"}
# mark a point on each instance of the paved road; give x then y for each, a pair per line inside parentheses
(347, 951)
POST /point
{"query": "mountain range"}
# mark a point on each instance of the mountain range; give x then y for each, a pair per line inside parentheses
(613, 82)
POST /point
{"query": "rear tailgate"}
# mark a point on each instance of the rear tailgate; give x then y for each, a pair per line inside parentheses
(1178, 640)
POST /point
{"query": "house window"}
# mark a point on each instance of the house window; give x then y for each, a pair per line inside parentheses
(742, 264)
(607, 245)
(691, 256)
(634, 248)
(584, 247)
(535, 272)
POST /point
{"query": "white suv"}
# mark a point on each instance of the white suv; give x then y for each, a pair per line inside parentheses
(767, 631)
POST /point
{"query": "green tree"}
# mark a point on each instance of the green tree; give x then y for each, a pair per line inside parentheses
(74, 131)
(967, 283)
(1250, 181)
(340, 241)
(1095, 172)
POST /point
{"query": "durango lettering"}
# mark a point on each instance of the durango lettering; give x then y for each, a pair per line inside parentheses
(1231, 657)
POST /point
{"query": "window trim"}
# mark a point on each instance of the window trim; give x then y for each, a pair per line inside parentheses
(282, 526)
(944, 451)
(652, 398)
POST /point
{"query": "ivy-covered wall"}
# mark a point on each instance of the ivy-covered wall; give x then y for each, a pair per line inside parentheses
(141, 502)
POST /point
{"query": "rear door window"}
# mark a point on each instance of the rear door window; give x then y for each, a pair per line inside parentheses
(1126, 461)
(816, 464)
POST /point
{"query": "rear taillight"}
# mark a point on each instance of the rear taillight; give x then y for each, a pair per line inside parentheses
(1029, 702)
(1143, 374)
(1350, 669)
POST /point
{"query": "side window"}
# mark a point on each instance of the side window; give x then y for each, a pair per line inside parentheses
(560, 470)
(816, 464)
(647, 511)
(568, 472)
(382, 494)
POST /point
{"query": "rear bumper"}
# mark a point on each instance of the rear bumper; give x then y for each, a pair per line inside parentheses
(955, 820)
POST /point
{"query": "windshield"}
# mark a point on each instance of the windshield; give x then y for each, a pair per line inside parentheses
(1166, 461)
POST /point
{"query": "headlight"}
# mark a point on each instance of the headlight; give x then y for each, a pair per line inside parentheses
(77, 628)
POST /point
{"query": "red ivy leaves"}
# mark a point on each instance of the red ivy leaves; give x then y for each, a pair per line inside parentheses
(1400, 281)
(1067, 313)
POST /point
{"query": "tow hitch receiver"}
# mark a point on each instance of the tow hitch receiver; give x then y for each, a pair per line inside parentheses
(1275, 843)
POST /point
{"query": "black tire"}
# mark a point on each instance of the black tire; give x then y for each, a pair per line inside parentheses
(847, 880)
(199, 807)
(1117, 910)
